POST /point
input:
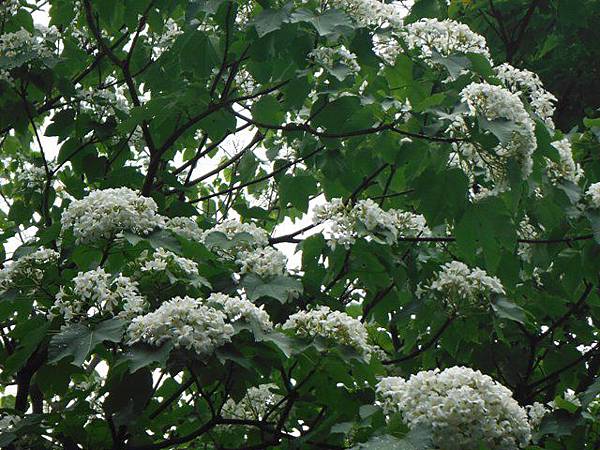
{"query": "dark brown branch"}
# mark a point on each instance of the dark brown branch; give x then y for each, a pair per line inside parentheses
(259, 179)
(348, 134)
(423, 347)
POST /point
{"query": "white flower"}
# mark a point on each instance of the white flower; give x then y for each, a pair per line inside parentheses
(31, 177)
(162, 260)
(444, 37)
(97, 293)
(456, 281)
(336, 326)
(536, 413)
(526, 231)
(569, 396)
(367, 219)
(463, 407)
(247, 237)
(593, 194)
(528, 84)
(21, 47)
(331, 58)
(186, 227)
(104, 213)
(496, 103)
(372, 12)
(566, 169)
(236, 309)
(164, 40)
(186, 323)
(264, 262)
(28, 270)
(254, 405)
(8, 422)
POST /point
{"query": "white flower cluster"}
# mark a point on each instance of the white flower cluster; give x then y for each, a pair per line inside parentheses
(161, 42)
(186, 323)
(526, 231)
(463, 407)
(536, 412)
(367, 219)
(98, 293)
(524, 82)
(28, 270)
(104, 213)
(570, 396)
(443, 37)
(237, 309)
(593, 194)
(566, 169)
(456, 281)
(186, 227)
(254, 405)
(264, 262)
(102, 103)
(8, 422)
(9, 8)
(497, 103)
(252, 237)
(332, 58)
(336, 326)
(372, 12)
(31, 177)
(164, 260)
(23, 46)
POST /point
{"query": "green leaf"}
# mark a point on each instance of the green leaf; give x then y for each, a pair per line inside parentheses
(270, 20)
(78, 340)
(141, 355)
(331, 22)
(281, 287)
(297, 190)
(505, 309)
(503, 129)
(267, 110)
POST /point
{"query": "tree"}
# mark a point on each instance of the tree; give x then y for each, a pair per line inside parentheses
(163, 157)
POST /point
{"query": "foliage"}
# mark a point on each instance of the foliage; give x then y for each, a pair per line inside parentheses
(162, 157)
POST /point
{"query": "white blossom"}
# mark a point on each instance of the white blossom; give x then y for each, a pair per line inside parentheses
(264, 262)
(528, 84)
(247, 237)
(254, 405)
(31, 177)
(456, 282)
(237, 309)
(367, 219)
(444, 38)
(186, 323)
(164, 260)
(496, 103)
(332, 59)
(536, 412)
(104, 213)
(161, 42)
(186, 227)
(336, 326)
(372, 12)
(23, 46)
(98, 293)
(463, 407)
(593, 195)
(8, 422)
(28, 270)
(566, 169)
(569, 396)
